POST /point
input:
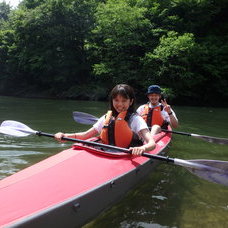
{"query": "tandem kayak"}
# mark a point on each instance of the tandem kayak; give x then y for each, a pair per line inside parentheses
(72, 187)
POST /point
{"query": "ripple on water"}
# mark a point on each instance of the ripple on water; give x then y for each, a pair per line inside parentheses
(10, 166)
(126, 224)
(12, 161)
(17, 153)
(159, 197)
(30, 145)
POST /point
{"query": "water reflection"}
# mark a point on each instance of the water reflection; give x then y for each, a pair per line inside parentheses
(18, 153)
(169, 197)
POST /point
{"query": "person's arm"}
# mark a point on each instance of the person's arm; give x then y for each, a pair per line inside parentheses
(173, 119)
(83, 135)
(150, 143)
(170, 112)
(140, 109)
(80, 135)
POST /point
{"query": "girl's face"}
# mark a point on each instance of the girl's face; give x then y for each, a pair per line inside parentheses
(154, 98)
(121, 103)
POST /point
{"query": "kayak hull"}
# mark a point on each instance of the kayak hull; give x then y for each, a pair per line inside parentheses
(71, 188)
(79, 210)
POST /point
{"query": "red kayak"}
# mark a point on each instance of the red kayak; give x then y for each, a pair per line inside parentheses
(72, 187)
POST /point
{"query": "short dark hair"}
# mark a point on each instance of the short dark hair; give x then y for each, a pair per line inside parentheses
(125, 91)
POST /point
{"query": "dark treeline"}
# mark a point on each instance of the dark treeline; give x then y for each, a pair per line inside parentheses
(81, 48)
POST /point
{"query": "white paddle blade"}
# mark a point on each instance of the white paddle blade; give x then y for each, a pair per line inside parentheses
(12, 132)
(210, 170)
(15, 128)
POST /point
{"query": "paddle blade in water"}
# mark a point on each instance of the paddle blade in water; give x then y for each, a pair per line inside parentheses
(211, 170)
(211, 139)
(84, 118)
(15, 128)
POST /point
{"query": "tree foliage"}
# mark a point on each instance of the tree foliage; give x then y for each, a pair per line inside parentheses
(48, 47)
(4, 11)
(119, 40)
(82, 48)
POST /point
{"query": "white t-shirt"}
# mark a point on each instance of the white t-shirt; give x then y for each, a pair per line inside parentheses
(164, 114)
(136, 123)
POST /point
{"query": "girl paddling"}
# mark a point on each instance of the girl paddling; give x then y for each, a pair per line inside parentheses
(121, 126)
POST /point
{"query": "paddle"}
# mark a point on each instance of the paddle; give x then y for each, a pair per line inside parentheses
(211, 170)
(85, 118)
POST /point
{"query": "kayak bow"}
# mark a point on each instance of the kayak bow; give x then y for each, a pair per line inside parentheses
(72, 187)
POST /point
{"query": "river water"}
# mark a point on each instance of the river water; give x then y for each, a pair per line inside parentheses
(169, 197)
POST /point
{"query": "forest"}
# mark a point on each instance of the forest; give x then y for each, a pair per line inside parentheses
(80, 49)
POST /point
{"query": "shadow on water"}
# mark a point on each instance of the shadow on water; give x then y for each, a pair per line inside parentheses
(169, 197)
(47, 115)
(19, 153)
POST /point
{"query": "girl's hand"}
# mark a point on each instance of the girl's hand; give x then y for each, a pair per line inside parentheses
(167, 107)
(137, 150)
(59, 136)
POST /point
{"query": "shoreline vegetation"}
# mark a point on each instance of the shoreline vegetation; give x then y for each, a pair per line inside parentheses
(80, 49)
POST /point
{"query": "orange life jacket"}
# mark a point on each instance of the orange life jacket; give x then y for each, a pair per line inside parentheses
(117, 131)
(153, 116)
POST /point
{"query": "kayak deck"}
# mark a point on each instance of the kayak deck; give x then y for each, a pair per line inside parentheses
(52, 191)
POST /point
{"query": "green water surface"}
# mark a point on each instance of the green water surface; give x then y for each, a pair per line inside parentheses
(168, 197)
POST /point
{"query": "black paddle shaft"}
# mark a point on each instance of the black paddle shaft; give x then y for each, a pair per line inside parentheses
(157, 157)
(177, 132)
(211, 170)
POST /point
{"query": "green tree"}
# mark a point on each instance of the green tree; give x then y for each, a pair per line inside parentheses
(210, 66)
(48, 50)
(4, 11)
(6, 40)
(75, 48)
(119, 41)
(170, 62)
(31, 4)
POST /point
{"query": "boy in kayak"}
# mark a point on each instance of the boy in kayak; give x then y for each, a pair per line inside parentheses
(121, 126)
(157, 115)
